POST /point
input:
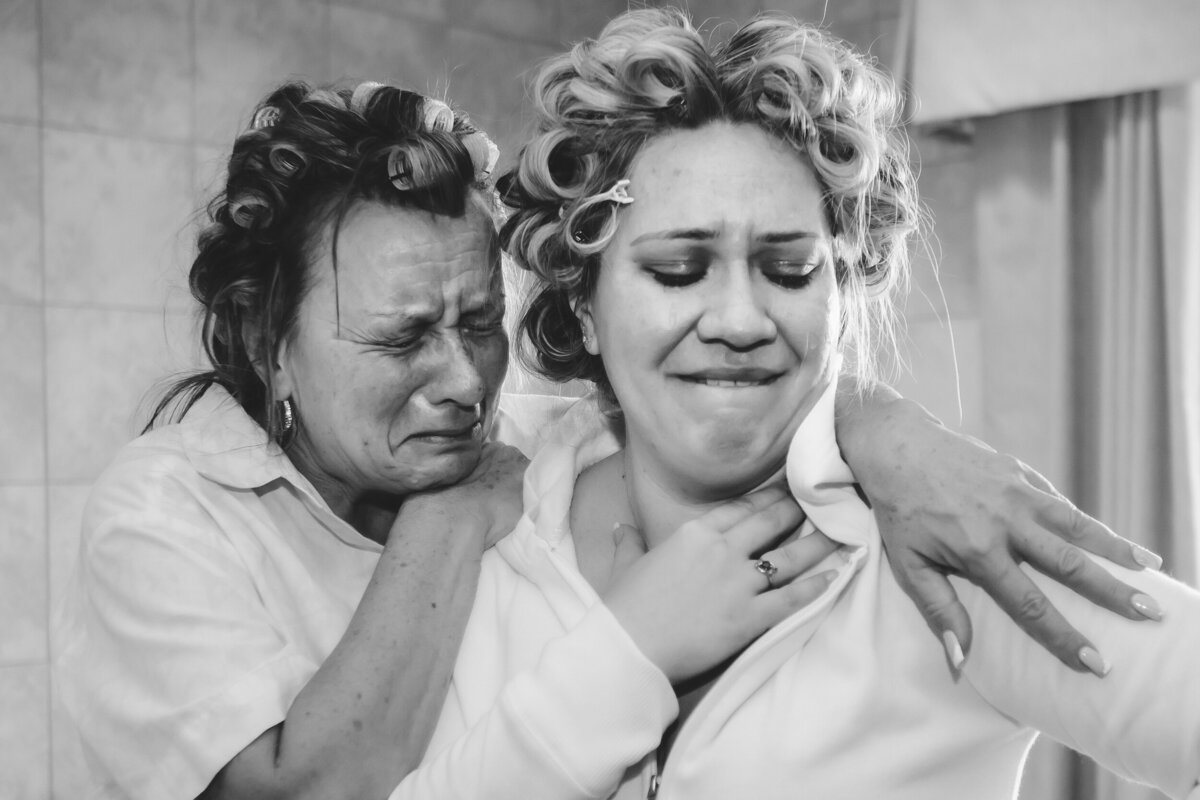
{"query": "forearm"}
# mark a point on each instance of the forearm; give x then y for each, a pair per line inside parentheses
(1142, 720)
(865, 418)
(567, 729)
(364, 720)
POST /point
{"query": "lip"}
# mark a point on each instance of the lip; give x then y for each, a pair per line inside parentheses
(469, 432)
(731, 377)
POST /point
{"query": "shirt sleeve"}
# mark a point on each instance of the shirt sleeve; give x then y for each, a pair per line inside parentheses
(166, 657)
(1142, 721)
(591, 708)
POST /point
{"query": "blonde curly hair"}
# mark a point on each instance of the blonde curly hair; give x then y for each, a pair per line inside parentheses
(650, 72)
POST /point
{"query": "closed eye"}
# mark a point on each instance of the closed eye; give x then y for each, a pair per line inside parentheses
(791, 274)
(675, 274)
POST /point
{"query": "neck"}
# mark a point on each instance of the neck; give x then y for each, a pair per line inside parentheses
(370, 513)
(660, 505)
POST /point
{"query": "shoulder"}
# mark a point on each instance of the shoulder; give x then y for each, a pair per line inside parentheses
(527, 421)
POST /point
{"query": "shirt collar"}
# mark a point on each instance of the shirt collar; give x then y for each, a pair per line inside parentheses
(818, 477)
(227, 446)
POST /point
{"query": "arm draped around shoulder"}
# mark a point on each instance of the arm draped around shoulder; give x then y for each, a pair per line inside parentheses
(1142, 720)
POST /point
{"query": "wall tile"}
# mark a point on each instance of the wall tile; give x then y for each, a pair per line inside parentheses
(19, 59)
(103, 369)
(115, 212)
(22, 396)
(429, 10)
(23, 574)
(529, 20)
(69, 778)
(369, 45)
(488, 80)
(122, 66)
(246, 47)
(20, 215)
(24, 733)
(581, 19)
(65, 516)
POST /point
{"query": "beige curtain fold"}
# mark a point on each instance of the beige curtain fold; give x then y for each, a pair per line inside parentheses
(1131, 427)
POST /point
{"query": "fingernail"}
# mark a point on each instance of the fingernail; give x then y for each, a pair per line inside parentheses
(954, 650)
(1090, 657)
(1146, 558)
(1147, 606)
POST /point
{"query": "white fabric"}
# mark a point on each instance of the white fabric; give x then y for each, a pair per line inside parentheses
(213, 582)
(848, 698)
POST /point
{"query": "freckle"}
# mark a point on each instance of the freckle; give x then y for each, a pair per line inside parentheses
(358, 695)
(358, 725)
(433, 605)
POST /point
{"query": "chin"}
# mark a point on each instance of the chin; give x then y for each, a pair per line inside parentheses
(443, 470)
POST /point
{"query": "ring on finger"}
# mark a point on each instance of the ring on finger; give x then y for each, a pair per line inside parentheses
(767, 570)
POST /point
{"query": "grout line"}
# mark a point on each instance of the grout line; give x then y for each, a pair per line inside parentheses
(45, 355)
(57, 127)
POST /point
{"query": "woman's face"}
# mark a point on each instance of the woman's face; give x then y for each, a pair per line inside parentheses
(394, 366)
(716, 310)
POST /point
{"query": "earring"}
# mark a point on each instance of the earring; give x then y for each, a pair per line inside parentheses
(587, 340)
(289, 419)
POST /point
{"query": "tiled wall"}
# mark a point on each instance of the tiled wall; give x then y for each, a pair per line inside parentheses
(113, 122)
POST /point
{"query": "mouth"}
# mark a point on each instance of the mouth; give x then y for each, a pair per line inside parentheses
(732, 377)
(470, 432)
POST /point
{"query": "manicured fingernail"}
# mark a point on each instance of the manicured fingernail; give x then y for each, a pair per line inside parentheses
(1147, 606)
(1090, 657)
(954, 650)
(1146, 558)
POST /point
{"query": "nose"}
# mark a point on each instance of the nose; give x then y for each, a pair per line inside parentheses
(458, 379)
(735, 315)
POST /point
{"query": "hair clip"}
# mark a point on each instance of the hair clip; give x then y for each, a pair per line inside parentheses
(619, 193)
(362, 95)
(265, 117)
(438, 115)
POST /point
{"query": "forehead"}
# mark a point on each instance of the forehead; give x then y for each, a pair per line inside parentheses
(723, 175)
(394, 259)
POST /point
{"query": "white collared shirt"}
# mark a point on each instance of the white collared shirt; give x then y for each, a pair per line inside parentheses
(213, 581)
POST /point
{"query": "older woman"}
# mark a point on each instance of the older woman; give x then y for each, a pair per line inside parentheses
(273, 586)
(713, 231)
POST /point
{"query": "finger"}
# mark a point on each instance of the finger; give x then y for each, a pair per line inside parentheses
(772, 607)
(799, 556)
(1069, 566)
(724, 517)
(628, 547)
(763, 528)
(1022, 600)
(1060, 516)
(938, 603)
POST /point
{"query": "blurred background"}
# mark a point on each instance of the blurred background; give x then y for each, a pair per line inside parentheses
(1055, 310)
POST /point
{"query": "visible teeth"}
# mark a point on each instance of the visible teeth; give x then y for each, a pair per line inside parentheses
(728, 384)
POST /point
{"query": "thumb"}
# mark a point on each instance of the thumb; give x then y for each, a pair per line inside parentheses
(628, 547)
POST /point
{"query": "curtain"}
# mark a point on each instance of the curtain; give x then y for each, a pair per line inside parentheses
(1131, 190)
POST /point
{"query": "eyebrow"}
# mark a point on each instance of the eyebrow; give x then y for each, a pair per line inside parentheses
(707, 234)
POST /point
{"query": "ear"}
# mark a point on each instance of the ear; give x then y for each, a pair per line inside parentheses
(273, 365)
(583, 313)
